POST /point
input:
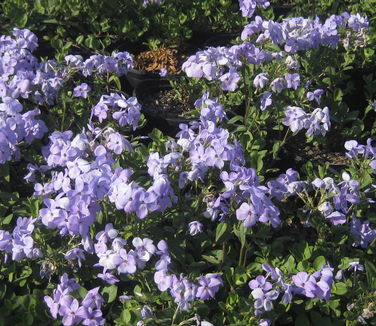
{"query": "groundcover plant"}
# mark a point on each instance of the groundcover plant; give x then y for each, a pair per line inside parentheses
(222, 224)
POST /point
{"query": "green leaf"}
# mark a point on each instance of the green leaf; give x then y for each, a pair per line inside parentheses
(370, 273)
(368, 52)
(80, 39)
(318, 262)
(211, 259)
(339, 288)
(290, 264)
(7, 219)
(220, 230)
(51, 21)
(307, 252)
(116, 80)
(82, 291)
(138, 291)
(126, 316)
(338, 94)
(240, 232)
(110, 292)
(91, 42)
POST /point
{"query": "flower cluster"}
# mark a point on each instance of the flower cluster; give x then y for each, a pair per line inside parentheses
(222, 63)
(301, 34)
(316, 123)
(357, 151)
(20, 243)
(113, 256)
(264, 292)
(340, 196)
(117, 64)
(286, 185)
(18, 65)
(248, 7)
(65, 305)
(126, 111)
(363, 233)
(181, 289)
(85, 179)
(16, 127)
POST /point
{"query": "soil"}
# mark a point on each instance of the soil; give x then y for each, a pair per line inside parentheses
(164, 57)
(320, 156)
(165, 104)
(297, 152)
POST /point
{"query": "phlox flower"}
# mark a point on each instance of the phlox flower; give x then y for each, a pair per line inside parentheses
(81, 90)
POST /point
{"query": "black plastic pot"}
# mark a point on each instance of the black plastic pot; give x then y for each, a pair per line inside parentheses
(134, 76)
(168, 122)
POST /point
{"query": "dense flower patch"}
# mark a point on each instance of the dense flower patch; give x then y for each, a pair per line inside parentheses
(102, 224)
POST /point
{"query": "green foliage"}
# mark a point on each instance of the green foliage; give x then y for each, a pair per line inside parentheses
(85, 26)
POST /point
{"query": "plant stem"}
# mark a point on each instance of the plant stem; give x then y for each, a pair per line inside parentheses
(175, 315)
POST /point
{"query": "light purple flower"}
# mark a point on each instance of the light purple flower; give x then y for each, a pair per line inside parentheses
(266, 100)
(81, 90)
(277, 85)
(163, 72)
(292, 80)
(128, 262)
(230, 80)
(295, 118)
(336, 218)
(195, 227)
(260, 80)
(315, 95)
(209, 286)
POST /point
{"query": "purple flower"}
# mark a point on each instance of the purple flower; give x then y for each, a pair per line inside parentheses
(295, 118)
(108, 277)
(100, 111)
(266, 100)
(264, 299)
(145, 248)
(162, 247)
(247, 214)
(75, 253)
(52, 305)
(163, 280)
(260, 80)
(247, 7)
(108, 233)
(72, 313)
(264, 322)
(305, 284)
(209, 286)
(292, 80)
(117, 143)
(146, 312)
(194, 228)
(315, 95)
(230, 80)
(318, 122)
(93, 317)
(93, 299)
(277, 85)
(109, 260)
(336, 218)
(81, 90)
(128, 262)
(163, 72)
(362, 232)
(356, 266)
(260, 282)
